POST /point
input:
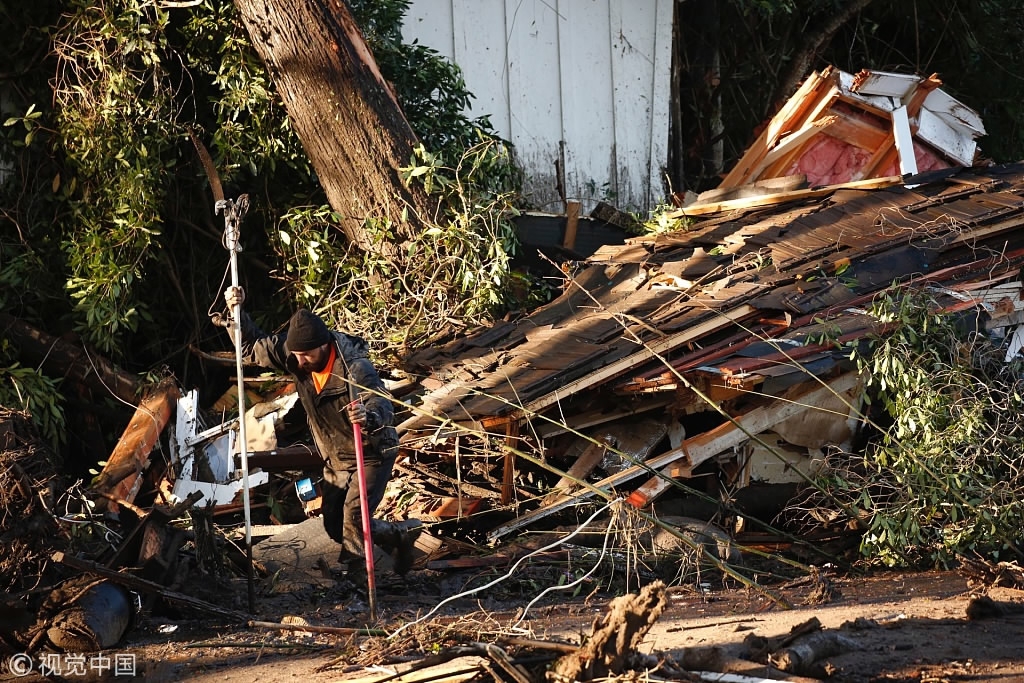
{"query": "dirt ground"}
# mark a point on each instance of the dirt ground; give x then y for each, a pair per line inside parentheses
(910, 627)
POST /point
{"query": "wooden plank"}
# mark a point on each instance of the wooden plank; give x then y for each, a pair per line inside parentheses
(779, 124)
(572, 220)
(822, 91)
(904, 141)
(729, 435)
(955, 144)
(508, 480)
(595, 417)
(954, 112)
(778, 159)
(700, 448)
(884, 84)
(782, 197)
(882, 158)
(630, 441)
(126, 463)
(582, 467)
(860, 129)
(651, 350)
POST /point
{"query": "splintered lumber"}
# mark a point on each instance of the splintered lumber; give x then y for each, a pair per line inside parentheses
(140, 584)
(128, 460)
(788, 118)
(432, 412)
(583, 466)
(705, 446)
(650, 350)
(617, 635)
(572, 219)
(783, 197)
(696, 450)
(629, 441)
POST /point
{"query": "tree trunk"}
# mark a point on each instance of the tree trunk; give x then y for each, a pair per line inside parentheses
(697, 143)
(343, 111)
(814, 40)
(56, 357)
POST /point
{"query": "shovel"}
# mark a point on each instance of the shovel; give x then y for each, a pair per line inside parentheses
(364, 508)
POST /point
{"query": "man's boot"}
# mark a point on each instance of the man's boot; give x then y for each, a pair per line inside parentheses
(353, 572)
(399, 537)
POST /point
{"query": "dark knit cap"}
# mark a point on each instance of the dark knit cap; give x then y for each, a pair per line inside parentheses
(306, 332)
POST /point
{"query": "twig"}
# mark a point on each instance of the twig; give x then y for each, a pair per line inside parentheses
(289, 646)
(337, 630)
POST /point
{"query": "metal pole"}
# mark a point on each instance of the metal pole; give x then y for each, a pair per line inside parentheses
(232, 217)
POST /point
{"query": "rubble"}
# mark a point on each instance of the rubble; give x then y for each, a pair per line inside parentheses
(673, 373)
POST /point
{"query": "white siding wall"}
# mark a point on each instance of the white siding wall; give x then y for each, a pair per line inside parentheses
(584, 79)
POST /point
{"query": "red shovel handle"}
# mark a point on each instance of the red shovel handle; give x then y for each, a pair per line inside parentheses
(364, 507)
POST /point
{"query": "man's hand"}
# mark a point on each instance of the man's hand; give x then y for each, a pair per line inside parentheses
(356, 412)
(234, 296)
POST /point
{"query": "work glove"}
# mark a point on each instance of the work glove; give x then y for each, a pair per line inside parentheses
(234, 296)
(356, 412)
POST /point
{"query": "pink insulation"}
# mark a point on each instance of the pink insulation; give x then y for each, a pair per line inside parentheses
(828, 161)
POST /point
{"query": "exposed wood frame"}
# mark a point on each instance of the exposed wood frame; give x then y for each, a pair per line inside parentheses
(729, 435)
(697, 449)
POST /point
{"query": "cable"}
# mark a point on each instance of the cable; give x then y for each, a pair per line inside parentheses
(604, 551)
(507, 574)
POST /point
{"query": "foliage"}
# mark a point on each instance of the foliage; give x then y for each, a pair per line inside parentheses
(30, 391)
(250, 135)
(944, 478)
(109, 196)
(452, 275)
(661, 221)
(115, 116)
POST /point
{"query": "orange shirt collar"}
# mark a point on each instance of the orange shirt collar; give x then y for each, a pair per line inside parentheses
(320, 378)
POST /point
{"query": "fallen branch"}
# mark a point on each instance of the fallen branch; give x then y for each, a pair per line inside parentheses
(140, 584)
(616, 637)
(800, 657)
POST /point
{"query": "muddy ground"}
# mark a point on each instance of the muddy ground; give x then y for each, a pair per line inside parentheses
(910, 627)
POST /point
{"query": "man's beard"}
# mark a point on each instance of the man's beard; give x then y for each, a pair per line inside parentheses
(316, 366)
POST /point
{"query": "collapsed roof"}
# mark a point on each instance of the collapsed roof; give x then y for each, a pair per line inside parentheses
(739, 302)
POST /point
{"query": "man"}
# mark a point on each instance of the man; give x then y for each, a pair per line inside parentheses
(338, 387)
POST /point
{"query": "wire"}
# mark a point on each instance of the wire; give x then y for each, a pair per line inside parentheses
(508, 574)
(600, 559)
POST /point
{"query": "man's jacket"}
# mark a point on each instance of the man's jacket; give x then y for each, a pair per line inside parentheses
(326, 410)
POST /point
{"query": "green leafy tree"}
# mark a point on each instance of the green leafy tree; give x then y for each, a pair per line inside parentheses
(943, 477)
(107, 228)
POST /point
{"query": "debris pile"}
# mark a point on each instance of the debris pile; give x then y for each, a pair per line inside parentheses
(29, 488)
(676, 394)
